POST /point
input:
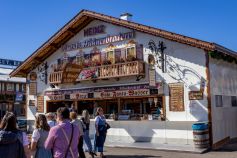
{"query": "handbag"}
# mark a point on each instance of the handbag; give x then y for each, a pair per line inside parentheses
(107, 126)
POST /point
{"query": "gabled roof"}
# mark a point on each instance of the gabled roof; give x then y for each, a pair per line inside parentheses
(83, 18)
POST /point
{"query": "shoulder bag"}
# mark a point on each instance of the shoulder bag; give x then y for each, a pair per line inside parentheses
(69, 142)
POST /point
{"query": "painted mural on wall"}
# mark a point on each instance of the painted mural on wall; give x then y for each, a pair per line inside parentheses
(42, 71)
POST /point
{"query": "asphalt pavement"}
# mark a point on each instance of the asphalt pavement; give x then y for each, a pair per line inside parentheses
(229, 151)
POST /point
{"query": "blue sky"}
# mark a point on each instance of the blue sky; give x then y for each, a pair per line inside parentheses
(26, 24)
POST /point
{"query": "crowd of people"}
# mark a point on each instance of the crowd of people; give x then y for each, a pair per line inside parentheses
(60, 136)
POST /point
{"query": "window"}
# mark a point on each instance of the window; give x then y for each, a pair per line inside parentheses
(234, 100)
(110, 57)
(131, 53)
(17, 87)
(219, 102)
(23, 87)
(10, 87)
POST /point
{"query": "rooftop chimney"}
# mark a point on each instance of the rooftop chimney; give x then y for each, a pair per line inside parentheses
(126, 16)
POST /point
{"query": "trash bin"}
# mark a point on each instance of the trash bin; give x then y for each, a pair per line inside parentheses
(200, 135)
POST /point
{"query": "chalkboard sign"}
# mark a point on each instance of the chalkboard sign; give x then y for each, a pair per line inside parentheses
(176, 97)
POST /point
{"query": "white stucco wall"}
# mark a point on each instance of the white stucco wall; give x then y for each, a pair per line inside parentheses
(223, 82)
(189, 63)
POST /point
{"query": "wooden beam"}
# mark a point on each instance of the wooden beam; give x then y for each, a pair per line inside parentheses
(71, 31)
(54, 46)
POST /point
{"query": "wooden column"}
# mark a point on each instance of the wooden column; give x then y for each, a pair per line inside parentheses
(209, 99)
(76, 106)
(164, 106)
(119, 105)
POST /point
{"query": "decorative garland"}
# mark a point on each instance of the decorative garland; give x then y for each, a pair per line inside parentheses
(225, 57)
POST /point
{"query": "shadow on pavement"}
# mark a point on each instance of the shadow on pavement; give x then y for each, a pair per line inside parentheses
(131, 156)
(230, 147)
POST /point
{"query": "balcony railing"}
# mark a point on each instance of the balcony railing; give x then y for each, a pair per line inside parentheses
(56, 77)
(116, 70)
(133, 68)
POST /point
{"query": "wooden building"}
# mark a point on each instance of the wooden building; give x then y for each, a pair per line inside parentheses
(153, 84)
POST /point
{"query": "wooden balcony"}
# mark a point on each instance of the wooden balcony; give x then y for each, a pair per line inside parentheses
(56, 77)
(69, 74)
(134, 68)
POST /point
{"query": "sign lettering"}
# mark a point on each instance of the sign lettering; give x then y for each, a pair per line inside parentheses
(98, 41)
(9, 62)
(94, 30)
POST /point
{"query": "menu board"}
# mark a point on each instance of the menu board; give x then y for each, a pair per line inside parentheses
(32, 88)
(176, 97)
(40, 104)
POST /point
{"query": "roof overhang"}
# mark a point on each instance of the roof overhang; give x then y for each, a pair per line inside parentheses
(83, 18)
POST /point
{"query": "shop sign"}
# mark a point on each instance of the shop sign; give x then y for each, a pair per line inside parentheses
(125, 93)
(99, 89)
(98, 41)
(9, 62)
(94, 30)
(19, 96)
(195, 95)
(79, 95)
(56, 97)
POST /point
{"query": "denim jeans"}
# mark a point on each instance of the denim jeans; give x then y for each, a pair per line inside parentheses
(87, 140)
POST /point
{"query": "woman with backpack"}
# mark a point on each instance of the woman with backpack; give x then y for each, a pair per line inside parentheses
(39, 136)
(13, 142)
